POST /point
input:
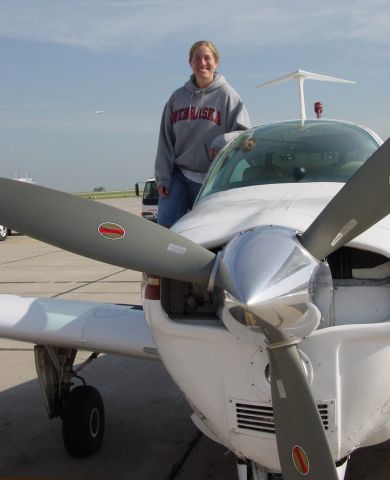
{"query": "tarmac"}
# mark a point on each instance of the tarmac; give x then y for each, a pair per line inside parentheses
(149, 434)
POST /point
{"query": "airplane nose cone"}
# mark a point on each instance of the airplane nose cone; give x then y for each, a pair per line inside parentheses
(266, 275)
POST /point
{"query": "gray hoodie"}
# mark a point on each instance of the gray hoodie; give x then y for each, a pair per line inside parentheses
(191, 119)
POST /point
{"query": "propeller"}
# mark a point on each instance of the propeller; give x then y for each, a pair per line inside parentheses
(101, 232)
(268, 273)
(364, 200)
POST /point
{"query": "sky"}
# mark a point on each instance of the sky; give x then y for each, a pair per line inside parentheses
(64, 60)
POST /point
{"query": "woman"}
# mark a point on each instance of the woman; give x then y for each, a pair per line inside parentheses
(205, 107)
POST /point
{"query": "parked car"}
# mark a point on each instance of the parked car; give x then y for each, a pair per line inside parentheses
(149, 199)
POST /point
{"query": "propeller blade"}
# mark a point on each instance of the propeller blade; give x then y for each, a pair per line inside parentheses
(362, 202)
(302, 444)
(261, 271)
(101, 232)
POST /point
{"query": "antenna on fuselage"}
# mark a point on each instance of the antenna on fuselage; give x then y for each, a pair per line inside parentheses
(301, 76)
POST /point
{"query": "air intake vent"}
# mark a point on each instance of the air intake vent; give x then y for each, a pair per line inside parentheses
(324, 414)
(257, 417)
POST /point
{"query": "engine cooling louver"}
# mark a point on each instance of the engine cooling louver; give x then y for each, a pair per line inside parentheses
(260, 417)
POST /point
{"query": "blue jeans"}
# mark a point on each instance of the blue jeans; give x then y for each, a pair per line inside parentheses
(181, 198)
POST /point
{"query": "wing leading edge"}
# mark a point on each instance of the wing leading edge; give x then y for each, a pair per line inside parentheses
(99, 327)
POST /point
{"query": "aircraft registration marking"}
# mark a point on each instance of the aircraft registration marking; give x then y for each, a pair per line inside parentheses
(300, 460)
(179, 250)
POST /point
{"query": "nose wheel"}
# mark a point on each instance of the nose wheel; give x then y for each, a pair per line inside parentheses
(83, 421)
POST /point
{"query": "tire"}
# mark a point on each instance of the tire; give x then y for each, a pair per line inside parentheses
(3, 233)
(83, 421)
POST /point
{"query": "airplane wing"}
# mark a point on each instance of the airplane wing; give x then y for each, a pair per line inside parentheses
(92, 326)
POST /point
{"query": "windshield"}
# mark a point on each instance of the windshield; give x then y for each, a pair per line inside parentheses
(287, 152)
(150, 191)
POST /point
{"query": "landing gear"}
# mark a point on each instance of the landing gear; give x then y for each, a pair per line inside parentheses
(80, 408)
(83, 421)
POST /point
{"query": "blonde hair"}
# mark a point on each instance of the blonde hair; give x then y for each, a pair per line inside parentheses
(210, 45)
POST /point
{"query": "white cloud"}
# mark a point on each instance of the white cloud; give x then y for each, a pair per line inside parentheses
(143, 25)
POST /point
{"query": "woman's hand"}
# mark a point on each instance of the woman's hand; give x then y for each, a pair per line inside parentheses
(163, 191)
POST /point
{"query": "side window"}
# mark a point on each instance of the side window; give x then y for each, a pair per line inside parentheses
(154, 189)
(150, 191)
(238, 171)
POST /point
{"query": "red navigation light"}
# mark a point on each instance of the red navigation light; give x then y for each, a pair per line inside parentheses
(318, 109)
(151, 286)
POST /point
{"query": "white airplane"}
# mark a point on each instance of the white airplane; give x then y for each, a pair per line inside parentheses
(268, 303)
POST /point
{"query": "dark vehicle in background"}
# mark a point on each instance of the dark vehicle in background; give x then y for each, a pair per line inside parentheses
(149, 199)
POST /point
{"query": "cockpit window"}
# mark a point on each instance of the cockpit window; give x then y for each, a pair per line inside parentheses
(287, 152)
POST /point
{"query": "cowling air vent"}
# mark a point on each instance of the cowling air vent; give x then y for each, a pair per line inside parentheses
(255, 417)
(259, 417)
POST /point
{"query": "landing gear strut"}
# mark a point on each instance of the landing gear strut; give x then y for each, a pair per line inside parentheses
(80, 408)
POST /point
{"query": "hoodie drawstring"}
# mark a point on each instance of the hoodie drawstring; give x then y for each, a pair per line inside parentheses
(201, 102)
